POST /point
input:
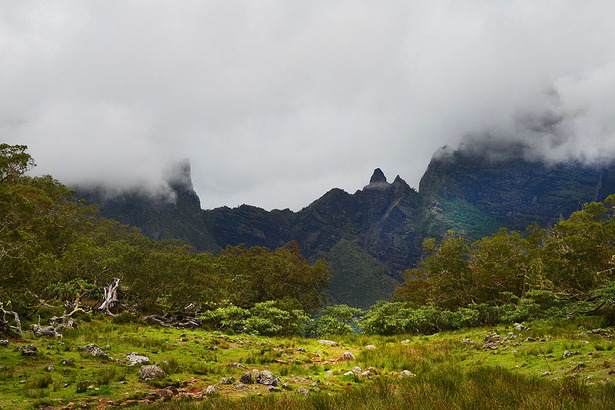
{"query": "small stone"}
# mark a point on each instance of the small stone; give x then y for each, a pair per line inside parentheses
(303, 391)
(4, 342)
(350, 373)
(327, 342)
(365, 374)
(547, 373)
(286, 386)
(567, 354)
(370, 347)
(211, 390)
(346, 357)
(519, 327)
(51, 368)
(237, 365)
(28, 350)
(357, 369)
(406, 373)
(492, 337)
(273, 389)
(579, 366)
(239, 386)
(227, 380)
(405, 341)
(186, 396)
(68, 362)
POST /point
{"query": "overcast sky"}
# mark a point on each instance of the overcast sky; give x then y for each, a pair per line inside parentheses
(276, 102)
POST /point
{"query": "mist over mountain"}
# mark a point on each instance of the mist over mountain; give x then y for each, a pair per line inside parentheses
(371, 236)
(275, 102)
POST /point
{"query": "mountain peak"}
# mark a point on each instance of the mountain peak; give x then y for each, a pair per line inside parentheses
(378, 177)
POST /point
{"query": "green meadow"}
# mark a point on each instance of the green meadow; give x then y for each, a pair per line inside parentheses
(557, 363)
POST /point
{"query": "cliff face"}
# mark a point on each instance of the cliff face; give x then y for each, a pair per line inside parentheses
(370, 237)
(515, 192)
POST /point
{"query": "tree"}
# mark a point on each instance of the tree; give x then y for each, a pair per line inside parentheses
(14, 162)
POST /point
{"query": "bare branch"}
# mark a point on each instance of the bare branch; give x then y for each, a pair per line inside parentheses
(110, 297)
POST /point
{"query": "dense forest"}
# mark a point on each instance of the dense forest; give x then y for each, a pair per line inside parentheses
(59, 257)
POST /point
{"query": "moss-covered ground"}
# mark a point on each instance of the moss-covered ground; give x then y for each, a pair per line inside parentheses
(557, 364)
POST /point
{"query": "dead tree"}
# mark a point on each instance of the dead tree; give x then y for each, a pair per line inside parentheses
(57, 324)
(17, 325)
(110, 297)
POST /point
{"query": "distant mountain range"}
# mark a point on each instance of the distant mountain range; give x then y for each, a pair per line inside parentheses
(370, 237)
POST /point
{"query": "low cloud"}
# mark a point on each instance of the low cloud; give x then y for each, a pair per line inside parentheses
(276, 102)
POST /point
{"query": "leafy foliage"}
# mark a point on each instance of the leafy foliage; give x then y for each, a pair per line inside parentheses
(54, 249)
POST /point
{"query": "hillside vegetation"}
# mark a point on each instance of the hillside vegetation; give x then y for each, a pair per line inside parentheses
(80, 293)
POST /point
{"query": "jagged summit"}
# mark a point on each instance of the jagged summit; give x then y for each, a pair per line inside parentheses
(378, 180)
(377, 177)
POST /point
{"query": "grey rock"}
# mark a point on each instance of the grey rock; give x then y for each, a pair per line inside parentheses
(136, 358)
(4, 342)
(406, 373)
(151, 372)
(227, 380)
(51, 368)
(211, 390)
(28, 350)
(346, 357)
(237, 365)
(247, 378)
(267, 378)
(94, 350)
(567, 354)
(327, 342)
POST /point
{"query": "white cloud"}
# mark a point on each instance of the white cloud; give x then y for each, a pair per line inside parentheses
(275, 102)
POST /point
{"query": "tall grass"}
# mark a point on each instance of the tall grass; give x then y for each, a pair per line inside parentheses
(447, 387)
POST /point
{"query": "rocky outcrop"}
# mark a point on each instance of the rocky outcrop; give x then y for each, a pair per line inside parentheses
(371, 236)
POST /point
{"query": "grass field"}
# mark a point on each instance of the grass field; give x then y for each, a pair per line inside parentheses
(553, 364)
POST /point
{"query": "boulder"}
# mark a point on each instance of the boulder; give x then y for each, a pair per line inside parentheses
(346, 357)
(267, 378)
(135, 358)
(94, 350)
(247, 378)
(327, 342)
(211, 390)
(151, 372)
